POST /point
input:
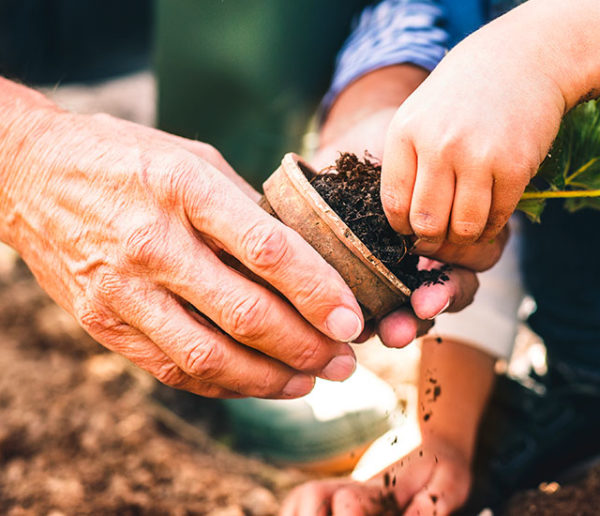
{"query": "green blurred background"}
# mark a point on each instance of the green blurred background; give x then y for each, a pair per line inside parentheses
(247, 75)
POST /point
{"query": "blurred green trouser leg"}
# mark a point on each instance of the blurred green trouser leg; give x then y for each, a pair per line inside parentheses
(247, 75)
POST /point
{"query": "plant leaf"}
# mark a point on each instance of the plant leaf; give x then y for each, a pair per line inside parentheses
(573, 162)
(533, 208)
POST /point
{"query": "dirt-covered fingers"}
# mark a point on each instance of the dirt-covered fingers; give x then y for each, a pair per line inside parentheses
(401, 327)
(479, 256)
(360, 500)
(201, 351)
(333, 497)
(281, 257)
(505, 197)
(398, 173)
(431, 203)
(446, 491)
(139, 349)
(312, 498)
(471, 205)
(452, 295)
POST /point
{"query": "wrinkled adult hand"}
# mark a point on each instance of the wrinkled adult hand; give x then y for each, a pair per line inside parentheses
(432, 479)
(462, 148)
(124, 226)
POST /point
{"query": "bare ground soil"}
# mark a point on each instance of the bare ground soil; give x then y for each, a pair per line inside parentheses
(81, 431)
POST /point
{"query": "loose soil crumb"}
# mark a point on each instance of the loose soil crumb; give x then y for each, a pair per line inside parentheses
(81, 432)
(386, 505)
(351, 188)
(581, 499)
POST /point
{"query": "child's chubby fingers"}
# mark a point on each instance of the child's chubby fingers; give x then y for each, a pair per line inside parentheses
(398, 173)
(506, 192)
(313, 498)
(478, 257)
(337, 497)
(357, 500)
(471, 205)
(432, 199)
(446, 491)
(402, 326)
(451, 295)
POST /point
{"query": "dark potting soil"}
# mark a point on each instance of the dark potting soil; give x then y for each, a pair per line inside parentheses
(351, 188)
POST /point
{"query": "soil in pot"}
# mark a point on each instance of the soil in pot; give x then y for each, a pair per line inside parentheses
(351, 188)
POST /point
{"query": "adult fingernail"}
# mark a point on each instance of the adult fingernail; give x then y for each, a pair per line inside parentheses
(344, 324)
(339, 368)
(299, 385)
(444, 308)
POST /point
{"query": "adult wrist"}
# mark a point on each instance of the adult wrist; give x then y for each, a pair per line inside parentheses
(383, 89)
(26, 119)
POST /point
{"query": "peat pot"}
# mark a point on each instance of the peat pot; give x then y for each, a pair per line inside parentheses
(289, 196)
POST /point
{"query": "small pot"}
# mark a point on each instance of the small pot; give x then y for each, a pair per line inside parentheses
(290, 197)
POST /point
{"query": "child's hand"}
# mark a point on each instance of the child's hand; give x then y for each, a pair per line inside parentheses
(432, 479)
(462, 148)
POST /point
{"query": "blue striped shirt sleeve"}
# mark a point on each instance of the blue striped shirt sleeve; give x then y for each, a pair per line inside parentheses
(391, 32)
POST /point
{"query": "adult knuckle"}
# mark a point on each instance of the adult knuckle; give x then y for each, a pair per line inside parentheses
(244, 318)
(144, 242)
(170, 374)
(210, 153)
(309, 357)
(266, 246)
(180, 175)
(98, 321)
(314, 292)
(204, 361)
(102, 288)
(268, 385)
(186, 181)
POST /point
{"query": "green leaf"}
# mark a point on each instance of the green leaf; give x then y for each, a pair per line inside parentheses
(572, 165)
(533, 208)
(582, 202)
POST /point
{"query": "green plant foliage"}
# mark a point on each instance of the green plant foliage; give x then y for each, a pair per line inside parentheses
(572, 168)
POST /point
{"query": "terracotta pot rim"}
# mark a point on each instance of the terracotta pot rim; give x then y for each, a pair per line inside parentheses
(296, 175)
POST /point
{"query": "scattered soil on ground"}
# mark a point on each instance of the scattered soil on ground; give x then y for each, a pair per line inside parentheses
(582, 498)
(82, 432)
(351, 188)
